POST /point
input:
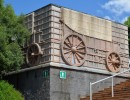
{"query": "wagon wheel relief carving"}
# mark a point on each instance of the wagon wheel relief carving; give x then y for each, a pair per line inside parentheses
(73, 50)
(33, 54)
(113, 62)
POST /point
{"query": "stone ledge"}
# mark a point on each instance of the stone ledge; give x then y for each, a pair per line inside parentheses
(58, 65)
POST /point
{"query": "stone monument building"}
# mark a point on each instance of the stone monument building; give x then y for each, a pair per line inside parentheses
(66, 51)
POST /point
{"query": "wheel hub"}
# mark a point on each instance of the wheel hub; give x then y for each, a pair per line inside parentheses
(114, 61)
(32, 53)
(74, 49)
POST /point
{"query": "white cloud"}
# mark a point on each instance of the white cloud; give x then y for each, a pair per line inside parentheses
(118, 6)
(107, 17)
(124, 19)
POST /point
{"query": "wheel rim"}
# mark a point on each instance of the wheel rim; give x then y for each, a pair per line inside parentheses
(33, 54)
(73, 50)
(113, 62)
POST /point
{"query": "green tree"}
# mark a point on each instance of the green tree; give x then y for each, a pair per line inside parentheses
(7, 92)
(128, 24)
(13, 34)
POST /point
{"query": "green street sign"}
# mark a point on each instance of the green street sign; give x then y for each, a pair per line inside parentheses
(45, 73)
(62, 74)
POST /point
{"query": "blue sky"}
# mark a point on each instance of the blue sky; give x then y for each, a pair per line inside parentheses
(116, 10)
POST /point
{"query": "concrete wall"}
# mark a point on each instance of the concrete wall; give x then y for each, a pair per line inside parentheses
(76, 84)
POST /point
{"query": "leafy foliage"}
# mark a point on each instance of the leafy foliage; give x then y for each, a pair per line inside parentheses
(13, 34)
(128, 24)
(7, 92)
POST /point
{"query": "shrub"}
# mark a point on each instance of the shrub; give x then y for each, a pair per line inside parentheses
(7, 92)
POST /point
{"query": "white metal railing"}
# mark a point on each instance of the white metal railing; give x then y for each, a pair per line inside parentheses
(91, 84)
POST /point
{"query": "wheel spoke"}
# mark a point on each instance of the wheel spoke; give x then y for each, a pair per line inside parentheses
(67, 44)
(32, 60)
(81, 48)
(80, 52)
(71, 58)
(67, 52)
(109, 61)
(115, 68)
(72, 40)
(117, 58)
(69, 55)
(31, 49)
(66, 48)
(74, 58)
(110, 64)
(109, 57)
(113, 56)
(34, 49)
(29, 56)
(79, 43)
(79, 55)
(117, 61)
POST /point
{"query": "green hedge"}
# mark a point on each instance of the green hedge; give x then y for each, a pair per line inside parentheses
(7, 92)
